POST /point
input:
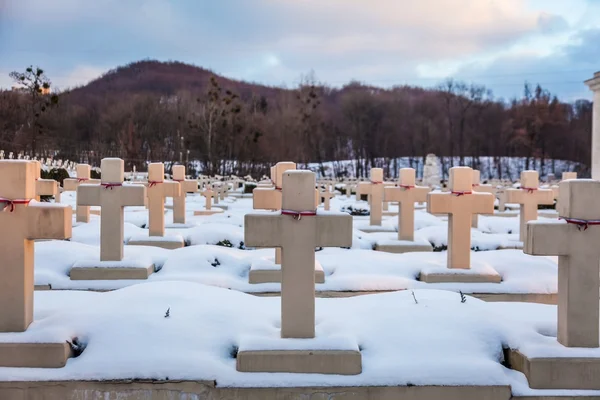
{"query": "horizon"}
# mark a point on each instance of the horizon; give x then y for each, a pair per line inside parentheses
(500, 45)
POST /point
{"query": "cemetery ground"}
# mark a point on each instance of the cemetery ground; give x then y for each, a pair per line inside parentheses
(183, 327)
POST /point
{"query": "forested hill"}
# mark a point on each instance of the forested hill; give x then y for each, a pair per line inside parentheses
(152, 110)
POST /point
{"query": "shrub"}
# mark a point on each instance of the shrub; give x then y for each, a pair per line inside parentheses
(249, 187)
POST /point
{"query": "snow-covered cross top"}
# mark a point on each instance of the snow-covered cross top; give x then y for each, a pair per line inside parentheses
(528, 196)
(111, 195)
(565, 176)
(83, 176)
(460, 204)
(406, 194)
(298, 230)
(187, 186)
(44, 187)
(480, 188)
(158, 190)
(576, 243)
(374, 189)
(23, 221)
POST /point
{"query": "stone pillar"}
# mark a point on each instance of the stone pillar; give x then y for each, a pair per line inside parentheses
(594, 85)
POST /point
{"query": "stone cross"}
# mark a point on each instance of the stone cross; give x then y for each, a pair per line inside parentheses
(158, 190)
(375, 190)
(208, 194)
(528, 196)
(23, 221)
(270, 198)
(480, 188)
(187, 186)
(83, 176)
(216, 186)
(460, 204)
(406, 194)
(44, 187)
(565, 176)
(112, 195)
(298, 230)
(594, 85)
(327, 195)
(576, 243)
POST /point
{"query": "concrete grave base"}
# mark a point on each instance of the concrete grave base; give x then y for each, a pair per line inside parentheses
(106, 273)
(338, 362)
(266, 271)
(169, 242)
(558, 372)
(221, 206)
(376, 228)
(403, 246)
(454, 276)
(389, 213)
(34, 355)
(208, 212)
(168, 390)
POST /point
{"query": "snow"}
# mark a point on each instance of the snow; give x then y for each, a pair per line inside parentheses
(436, 340)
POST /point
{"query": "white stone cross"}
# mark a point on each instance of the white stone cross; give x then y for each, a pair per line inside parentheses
(158, 190)
(406, 194)
(208, 194)
(83, 176)
(23, 222)
(460, 204)
(112, 195)
(298, 230)
(44, 187)
(576, 243)
(594, 85)
(187, 186)
(327, 196)
(375, 190)
(529, 196)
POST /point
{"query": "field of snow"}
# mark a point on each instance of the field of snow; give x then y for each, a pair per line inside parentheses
(422, 335)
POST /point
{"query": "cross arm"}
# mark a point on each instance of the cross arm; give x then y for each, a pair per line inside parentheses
(189, 186)
(514, 196)
(131, 195)
(420, 193)
(46, 187)
(392, 193)
(263, 230)
(89, 195)
(333, 229)
(70, 184)
(545, 196)
(547, 238)
(266, 199)
(49, 221)
(483, 203)
(439, 203)
(364, 188)
(171, 189)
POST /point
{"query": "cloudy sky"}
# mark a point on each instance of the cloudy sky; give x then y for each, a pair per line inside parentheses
(499, 43)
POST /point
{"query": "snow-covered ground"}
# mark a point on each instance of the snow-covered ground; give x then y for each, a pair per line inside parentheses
(417, 336)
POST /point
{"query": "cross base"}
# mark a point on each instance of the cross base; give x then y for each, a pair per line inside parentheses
(557, 372)
(460, 276)
(376, 228)
(169, 242)
(389, 213)
(338, 362)
(266, 271)
(221, 206)
(208, 212)
(34, 355)
(403, 246)
(111, 270)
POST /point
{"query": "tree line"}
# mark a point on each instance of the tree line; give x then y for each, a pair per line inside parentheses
(174, 112)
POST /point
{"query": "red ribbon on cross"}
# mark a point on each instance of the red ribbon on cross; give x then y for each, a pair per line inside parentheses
(582, 224)
(153, 183)
(179, 180)
(475, 184)
(458, 194)
(278, 188)
(11, 203)
(79, 180)
(529, 190)
(376, 182)
(298, 214)
(110, 185)
(407, 187)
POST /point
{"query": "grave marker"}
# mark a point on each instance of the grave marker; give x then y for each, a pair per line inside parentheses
(298, 230)
(480, 188)
(44, 187)
(529, 196)
(83, 176)
(375, 190)
(460, 204)
(187, 186)
(24, 221)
